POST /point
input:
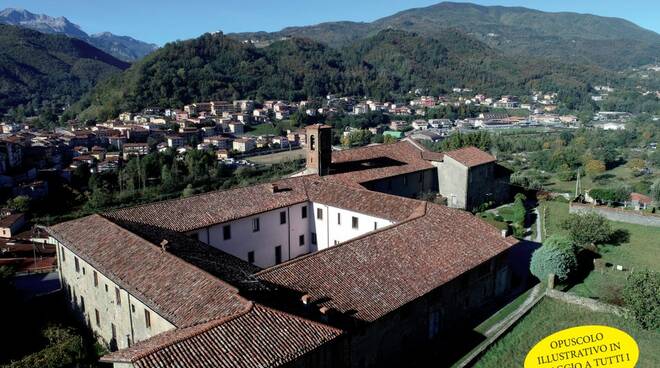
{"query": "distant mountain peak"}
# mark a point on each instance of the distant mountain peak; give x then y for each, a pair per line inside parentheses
(122, 47)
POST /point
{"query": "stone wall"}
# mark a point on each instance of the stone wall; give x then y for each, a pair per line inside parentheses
(617, 214)
(591, 304)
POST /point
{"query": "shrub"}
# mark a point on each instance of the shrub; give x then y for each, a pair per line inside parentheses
(642, 296)
(587, 228)
(556, 256)
(594, 167)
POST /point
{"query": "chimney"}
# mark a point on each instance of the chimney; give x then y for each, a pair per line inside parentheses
(163, 245)
(504, 232)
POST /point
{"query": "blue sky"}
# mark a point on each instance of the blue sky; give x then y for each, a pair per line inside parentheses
(159, 21)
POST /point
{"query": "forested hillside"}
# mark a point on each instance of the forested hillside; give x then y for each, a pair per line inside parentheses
(39, 69)
(389, 64)
(578, 38)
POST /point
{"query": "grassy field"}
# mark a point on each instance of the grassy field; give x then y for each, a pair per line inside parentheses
(502, 313)
(279, 157)
(267, 128)
(550, 316)
(613, 177)
(640, 251)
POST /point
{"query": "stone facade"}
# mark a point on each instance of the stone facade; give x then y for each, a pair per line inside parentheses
(122, 318)
(407, 185)
(401, 336)
(469, 187)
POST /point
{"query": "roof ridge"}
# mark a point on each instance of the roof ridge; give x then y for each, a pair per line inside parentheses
(178, 259)
(142, 297)
(197, 195)
(330, 248)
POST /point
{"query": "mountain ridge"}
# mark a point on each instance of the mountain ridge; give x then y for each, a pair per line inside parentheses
(386, 65)
(122, 47)
(39, 69)
(565, 36)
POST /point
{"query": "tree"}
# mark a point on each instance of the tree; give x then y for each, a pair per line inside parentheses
(388, 139)
(556, 256)
(587, 228)
(655, 191)
(636, 164)
(19, 204)
(188, 191)
(642, 297)
(594, 167)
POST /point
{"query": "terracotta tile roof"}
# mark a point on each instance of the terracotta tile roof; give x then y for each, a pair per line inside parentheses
(470, 156)
(386, 206)
(212, 208)
(373, 275)
(257, 337)
(11, 219)
(186, 214)
(360, 165)
(641, 198)
(180, 292)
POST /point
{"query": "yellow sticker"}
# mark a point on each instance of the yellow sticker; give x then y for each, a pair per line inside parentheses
(584, 347)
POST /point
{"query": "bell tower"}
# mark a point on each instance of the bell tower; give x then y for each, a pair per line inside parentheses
(319, 148)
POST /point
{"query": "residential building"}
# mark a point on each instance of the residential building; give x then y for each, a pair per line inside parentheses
(244, 144)
(135, 149)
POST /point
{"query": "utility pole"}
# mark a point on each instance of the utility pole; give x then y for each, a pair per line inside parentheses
(578, 190)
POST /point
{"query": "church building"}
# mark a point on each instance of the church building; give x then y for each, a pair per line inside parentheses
(338, 266)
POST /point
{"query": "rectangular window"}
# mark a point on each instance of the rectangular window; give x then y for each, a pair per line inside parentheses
(375, 225)
(147, 318)
(355, 223)
(114, 331)
(282, 217)
(301, 240)
(82, 304)
(98, 317)
(96, 278)
(83, 270)
(75, 260)
(304, 212)
(278, 254)
(63, 255)
(314, 238)
(405, 180)
(255, 224)
(251, 257)
(226, 232)
(319, 213)
(117, 296)
(338, 218)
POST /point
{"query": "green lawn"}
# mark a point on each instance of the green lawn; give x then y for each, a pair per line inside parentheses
(502, 313)
(552, 213)
(613, 177)
(640, 251)
(267, 128)
(550, 316)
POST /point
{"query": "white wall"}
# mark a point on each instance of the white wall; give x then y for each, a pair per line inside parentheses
(272, 234)
(263, 242)
(329, 231)
(128, 316)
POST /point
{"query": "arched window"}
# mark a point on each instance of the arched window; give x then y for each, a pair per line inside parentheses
(311, 143)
